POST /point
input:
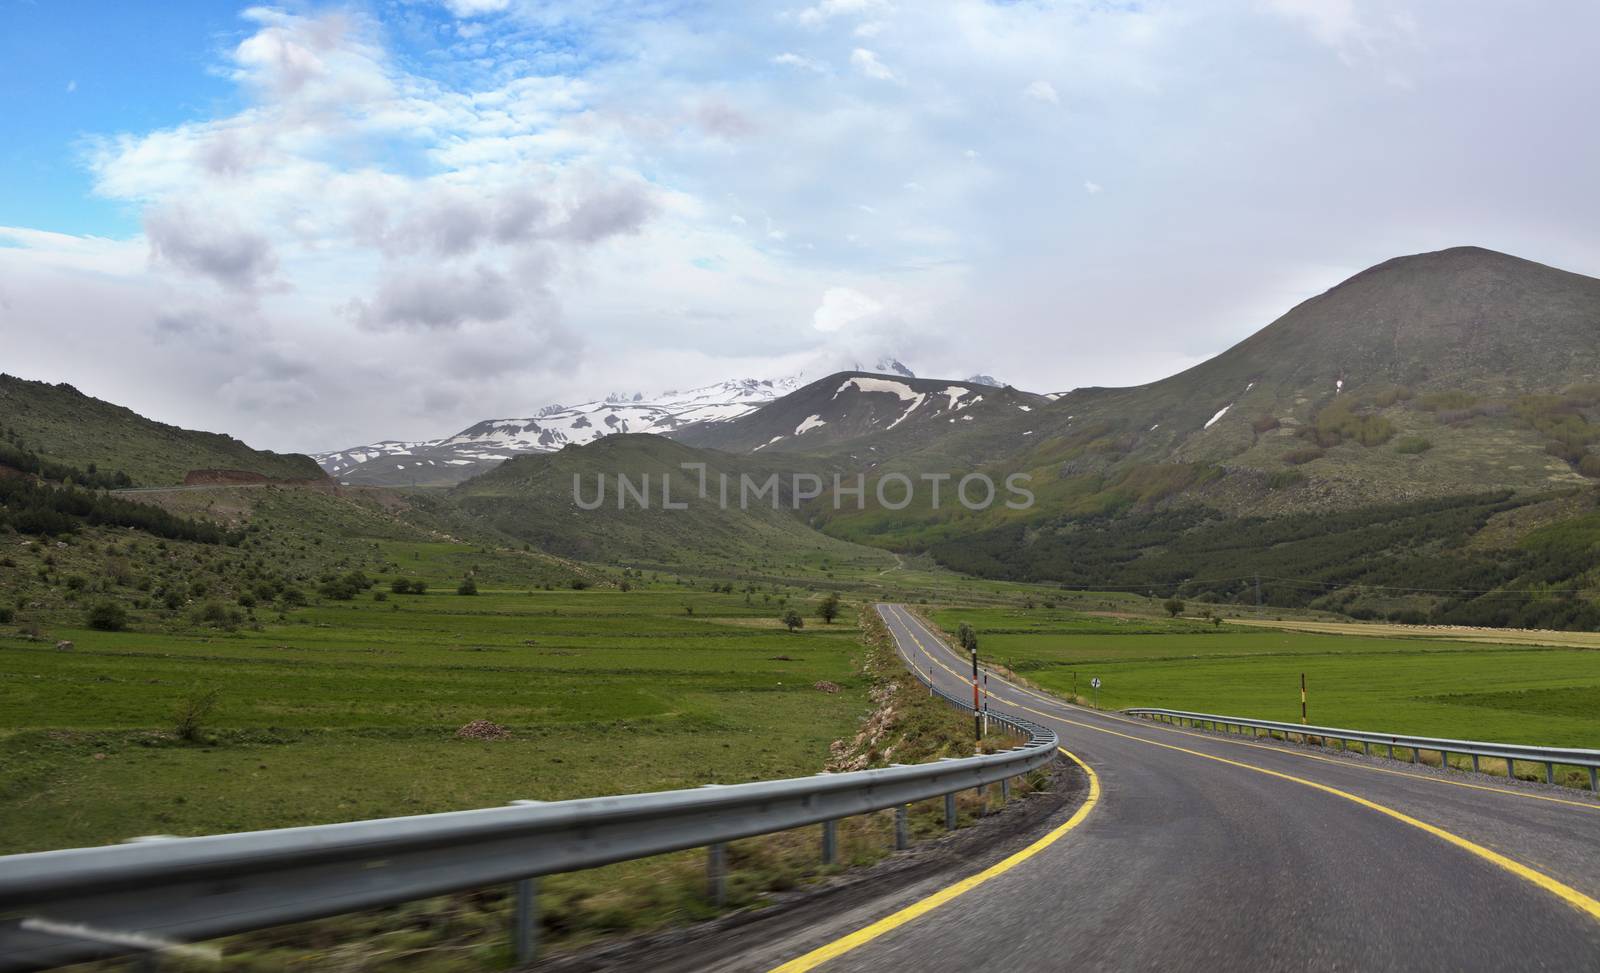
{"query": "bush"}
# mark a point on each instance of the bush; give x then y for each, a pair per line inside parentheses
(467, 587)
(1284, 479)
(400, 586)
(219, 615)
(7, 614)
(1413, 445)
(828, 610)
(1389, 396)
(1265, 424)
(579, 584)
(1298, 457)
(792, 620)
(1589, 465)
(1174, 606)
(107, 616)
(292, 597)
(188, 720)
(1448, 401)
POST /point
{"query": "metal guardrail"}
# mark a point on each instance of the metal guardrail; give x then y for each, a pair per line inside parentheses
(1550, 757)
(79, 904)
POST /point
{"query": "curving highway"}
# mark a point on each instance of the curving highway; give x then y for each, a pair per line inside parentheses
(1210, 853)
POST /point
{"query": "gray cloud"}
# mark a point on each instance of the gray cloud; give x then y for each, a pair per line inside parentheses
(204, 244)
(436, 299)
(609, 212)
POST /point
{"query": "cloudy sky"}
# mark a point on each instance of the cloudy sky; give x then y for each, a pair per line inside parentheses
(314, 226)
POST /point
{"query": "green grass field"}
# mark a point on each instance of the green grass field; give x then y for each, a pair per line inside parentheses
(349, 709)
(1432, 687)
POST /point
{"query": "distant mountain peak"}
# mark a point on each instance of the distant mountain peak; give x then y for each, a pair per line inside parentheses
(982, 379)
(889, 365)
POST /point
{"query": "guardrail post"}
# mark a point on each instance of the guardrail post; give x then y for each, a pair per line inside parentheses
(1444, 760)
(1511, 769)
(1474, 763)
(1005, 790)
(902, 830)
(1549, 773)
(830, 842)
(1594, 779)
(1416, 756)
(525, 921)
(717, 874)
(950, 811)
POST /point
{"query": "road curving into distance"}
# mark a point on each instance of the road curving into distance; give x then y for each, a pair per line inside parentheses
(1205, 852)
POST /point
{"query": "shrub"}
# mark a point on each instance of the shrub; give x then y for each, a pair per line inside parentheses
(828, 610)
(1589, 465)
(1174, 606)
(400, 586)
(189, 719)
(107, 616)
(792, 620)
(292, 597)
(1413, 445)
(419, 587)
(219, 615)
(1265, 424)
(467, 587)
(1297, 457)
(7, 614)
(1447, 401)
(1284, 479)
(1391, 395)
(579, 584)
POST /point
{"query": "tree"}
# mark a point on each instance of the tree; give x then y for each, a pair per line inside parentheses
(829, 609)
(1216, 621)
(107, 616)
(967, 637)
(467, 587)
(1174, 606)
(400, 586)
(792, 620)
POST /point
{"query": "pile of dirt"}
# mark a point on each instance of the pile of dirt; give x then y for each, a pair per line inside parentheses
(824, 686)
(483, 730)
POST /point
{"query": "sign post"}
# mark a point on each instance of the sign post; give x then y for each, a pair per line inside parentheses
(1095, 685)
(977, 709)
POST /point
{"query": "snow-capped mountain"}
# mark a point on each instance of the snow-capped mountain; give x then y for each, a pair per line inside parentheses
(485, 444)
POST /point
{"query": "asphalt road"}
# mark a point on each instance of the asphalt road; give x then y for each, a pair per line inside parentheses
(1209, 853)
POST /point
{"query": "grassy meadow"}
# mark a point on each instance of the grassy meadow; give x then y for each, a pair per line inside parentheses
(1430, 686)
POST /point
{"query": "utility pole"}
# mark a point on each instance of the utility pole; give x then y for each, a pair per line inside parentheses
(986, 701)
(977, 711)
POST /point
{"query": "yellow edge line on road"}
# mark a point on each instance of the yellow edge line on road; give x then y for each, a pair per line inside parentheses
(867, 934)
(1566, 892)
(1586, 805)
(1563, 891)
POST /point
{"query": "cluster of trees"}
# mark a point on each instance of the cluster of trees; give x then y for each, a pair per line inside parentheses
(30, 507)
(18, 457)
(408, 586)
(1322, 560)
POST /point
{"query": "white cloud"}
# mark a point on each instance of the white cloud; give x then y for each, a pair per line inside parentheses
(476, 8)
(842, 308)
(868, 64)
(1042, 91)
(1092, 188)
(792, 60)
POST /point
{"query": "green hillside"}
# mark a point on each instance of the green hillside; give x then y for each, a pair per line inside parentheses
(530, 498)
(62, 425)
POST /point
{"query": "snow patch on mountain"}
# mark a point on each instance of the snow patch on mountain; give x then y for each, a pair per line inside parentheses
(491, 441)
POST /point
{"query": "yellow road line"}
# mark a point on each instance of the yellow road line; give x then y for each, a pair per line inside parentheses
(1586, 805)
(867, 934)
(1567, 893)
